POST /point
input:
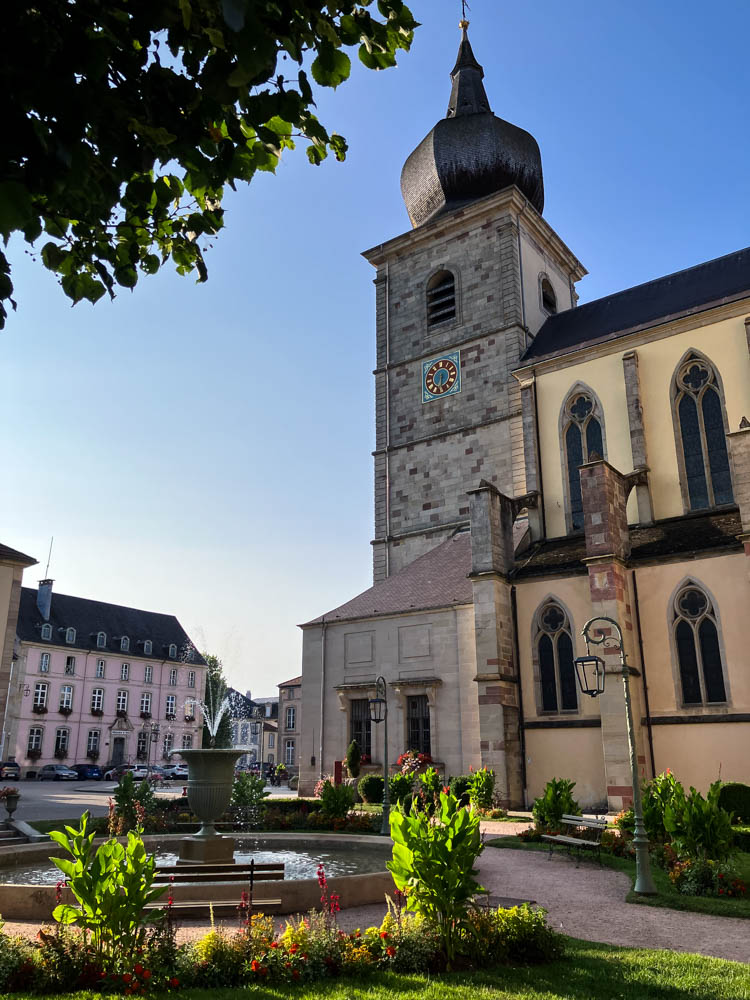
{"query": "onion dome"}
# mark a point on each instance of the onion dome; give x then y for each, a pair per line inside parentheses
(470, 153)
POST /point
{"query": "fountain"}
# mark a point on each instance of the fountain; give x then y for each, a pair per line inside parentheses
(209, 789)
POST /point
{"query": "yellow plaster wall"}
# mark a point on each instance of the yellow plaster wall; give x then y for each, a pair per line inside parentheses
(724, 343)
(575, 754)
(699, 754)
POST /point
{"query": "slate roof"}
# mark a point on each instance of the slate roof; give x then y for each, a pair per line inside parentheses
(7, 554)
(291, 683)
(680, 294)
(89, 617)
(438, 579)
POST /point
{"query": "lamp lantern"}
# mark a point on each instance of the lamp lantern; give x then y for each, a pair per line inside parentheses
(590, 673)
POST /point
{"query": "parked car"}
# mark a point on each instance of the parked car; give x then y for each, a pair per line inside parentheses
(116, 772)
(56, 772)
(10, 771)
(88, 771)
(175, 772)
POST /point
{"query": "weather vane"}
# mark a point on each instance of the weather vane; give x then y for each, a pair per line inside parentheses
(464, 8)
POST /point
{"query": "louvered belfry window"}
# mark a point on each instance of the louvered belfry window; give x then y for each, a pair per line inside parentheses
(441, 298)
(700, 419)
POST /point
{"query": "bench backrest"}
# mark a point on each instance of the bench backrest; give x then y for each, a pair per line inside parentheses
(592, 824)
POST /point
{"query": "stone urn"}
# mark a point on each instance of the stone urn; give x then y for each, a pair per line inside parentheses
(11, 804)
(209, 791)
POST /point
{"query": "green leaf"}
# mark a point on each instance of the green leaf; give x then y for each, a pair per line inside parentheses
(187, 12)
(126, 276)
(331, 67)
(16, 210)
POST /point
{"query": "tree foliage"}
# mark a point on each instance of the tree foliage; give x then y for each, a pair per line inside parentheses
(126, 119)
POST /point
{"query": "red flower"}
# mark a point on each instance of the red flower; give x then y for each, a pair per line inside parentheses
(390, 951)
(126, 977)
(174, 982)
(295, 974)
(293, 948)
(446, 790)
(255, 965)
(721, 892)
(384, 934)
(138, 969)
(274, 944)
(147, 973)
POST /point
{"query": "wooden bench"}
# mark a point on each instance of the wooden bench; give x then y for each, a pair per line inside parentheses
(220, 875)
(593, 842)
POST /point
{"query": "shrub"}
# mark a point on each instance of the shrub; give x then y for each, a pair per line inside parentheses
(433, 863)
(248, 795)
(336, 800)
(353, 759)
(519, 935)
(482, 788)
(429, 784)
(370, 788)
(734, 797)
(400, 786)
(459, 786)
(126, 795)
(700, 828)
(557, 799)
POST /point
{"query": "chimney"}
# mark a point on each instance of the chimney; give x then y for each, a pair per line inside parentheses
(247, 695)
(44, 598)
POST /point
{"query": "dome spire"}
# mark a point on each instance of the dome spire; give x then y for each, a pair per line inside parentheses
(468, 95)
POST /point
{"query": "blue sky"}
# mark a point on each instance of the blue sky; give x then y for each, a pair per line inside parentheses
(204, 450)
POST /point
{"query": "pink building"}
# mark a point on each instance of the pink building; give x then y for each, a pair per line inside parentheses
(100, 682)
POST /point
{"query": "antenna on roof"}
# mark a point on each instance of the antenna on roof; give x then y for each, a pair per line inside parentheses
(464, 7)
(49, 556)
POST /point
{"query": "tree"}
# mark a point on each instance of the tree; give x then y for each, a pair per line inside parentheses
(107, 101)
(216, 691)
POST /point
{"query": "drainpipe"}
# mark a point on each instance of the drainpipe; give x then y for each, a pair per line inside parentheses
(517, 658)
(81, 700)
(543, 518)
(643, 672)
(387, 430)
(322, 691)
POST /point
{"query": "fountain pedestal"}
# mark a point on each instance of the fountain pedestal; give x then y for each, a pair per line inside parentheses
(209, 790)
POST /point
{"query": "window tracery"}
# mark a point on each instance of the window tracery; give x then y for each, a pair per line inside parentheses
(696, 637)
(555, 656)
(583, 441)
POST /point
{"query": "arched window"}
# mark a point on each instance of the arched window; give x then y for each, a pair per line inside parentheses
(696, 638)
(124, 644)
(172, 650)
(147, 647)
(46, 631)
(583, 440)
(70, 635)
(547, 292)
(701, 434)
(441, 298)
(101, 640)
(554, 654)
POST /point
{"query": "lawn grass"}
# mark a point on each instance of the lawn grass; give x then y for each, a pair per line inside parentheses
(588, 972)
(667, 896)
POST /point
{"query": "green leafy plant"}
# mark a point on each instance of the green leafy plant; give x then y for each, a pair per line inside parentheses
(353, 759)
(400, 785)
(482, 787)
(556, 801)
(336, 800)
(129, 797)
(734, 797)
(370, 788)
(518, 934)
(459, 786)
(429, 784)
(248, 798)
(433, 864)
(113, 884)
(700, 828)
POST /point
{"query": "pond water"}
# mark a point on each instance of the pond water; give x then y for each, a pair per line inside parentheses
(300, 860)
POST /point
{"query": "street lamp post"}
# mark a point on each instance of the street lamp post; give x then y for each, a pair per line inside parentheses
(590, 673)
(379, 713)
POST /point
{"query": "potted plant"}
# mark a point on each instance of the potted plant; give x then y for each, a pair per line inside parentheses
(61, 753)
(92, 754)
(145, 715)
(170, 716)
(65, 710)
(39, 709)
(122, 713)
(189, 718)
(34, 754)
(9, 797)
(97, 711)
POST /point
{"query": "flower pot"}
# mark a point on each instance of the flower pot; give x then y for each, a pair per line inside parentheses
(209, 787)
(11, 804)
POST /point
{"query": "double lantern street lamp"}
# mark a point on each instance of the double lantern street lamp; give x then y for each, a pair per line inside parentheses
(379, 713)
(591, 675)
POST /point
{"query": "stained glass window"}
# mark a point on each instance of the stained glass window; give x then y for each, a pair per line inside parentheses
(698, 651)
(584, 441)
(555, 657)
(700, 420)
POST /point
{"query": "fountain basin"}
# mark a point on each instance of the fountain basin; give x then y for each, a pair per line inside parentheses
(298, 894)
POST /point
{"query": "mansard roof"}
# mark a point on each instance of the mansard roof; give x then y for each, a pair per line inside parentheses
(438, 579)
(89, 618)
(683, 293)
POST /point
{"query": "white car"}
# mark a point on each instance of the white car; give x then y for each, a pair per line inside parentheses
(175, 772)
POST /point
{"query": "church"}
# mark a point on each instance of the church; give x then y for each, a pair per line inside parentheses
(538, 464)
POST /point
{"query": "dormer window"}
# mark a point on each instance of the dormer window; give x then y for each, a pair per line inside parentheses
(147, 646)
(101, 640)
(549, 299)
(441, 298)
(172, 651)
(46, 631)
(124, 644)
(70, 635)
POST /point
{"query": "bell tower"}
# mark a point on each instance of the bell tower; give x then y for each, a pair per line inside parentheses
(458, 300)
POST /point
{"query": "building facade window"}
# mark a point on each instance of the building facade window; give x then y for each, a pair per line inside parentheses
(272, 739)
(187, 741)
(291, 716)
(191, 679)
(92, 741)
(557, 691)
(70, 666)
(97, 700)
(44, 663)
(696, 638)
(41, 691)
(173, 677)
(101, 666)
(46, 631)
(547, 295)
(582, 441)
(66, 696)
(124, 644)
(289, 752)
(101, 640)
(244, 733)
(441, 298)
(146, 702)
(148, 674)
(171, 706)
(142, 745)
(701, 435)
(147, 647)
(359, 724)
(270, 758)
(172, 651)
(122, 701)
(34, 742)
(189, 709)
(418, 723)
(124, 671)
(70, 635)
(168, 744)
(62, 741)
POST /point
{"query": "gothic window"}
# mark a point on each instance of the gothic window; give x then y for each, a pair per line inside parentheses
(547, 292)
(418, 717)
(359, 724)
(699, 417)
(554, 650)
(441, 298)
(696, 638)
(583, 440)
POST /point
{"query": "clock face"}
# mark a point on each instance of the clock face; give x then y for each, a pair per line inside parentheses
(441, 377)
